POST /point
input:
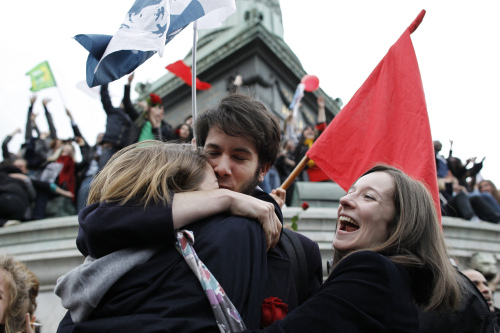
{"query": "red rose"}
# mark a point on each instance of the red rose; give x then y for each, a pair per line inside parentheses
(305, 205)
(273, 309)
(155, 99)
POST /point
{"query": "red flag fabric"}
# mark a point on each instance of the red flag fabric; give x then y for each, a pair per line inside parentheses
(183, 71)
(385, 122)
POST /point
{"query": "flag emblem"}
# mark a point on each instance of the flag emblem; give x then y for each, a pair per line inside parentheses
(41, 77)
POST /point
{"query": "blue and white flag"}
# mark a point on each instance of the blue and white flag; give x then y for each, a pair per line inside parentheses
(147, 27)
(297, 97)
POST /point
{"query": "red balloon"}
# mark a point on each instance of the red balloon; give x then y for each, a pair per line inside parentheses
(311, 82)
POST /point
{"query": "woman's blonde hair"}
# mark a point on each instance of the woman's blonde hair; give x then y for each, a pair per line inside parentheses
(21, 289)
(149, 171)
(416, 242)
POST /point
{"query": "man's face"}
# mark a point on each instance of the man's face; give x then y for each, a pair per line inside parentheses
(21, 164)
(235, 161)
(480, 282)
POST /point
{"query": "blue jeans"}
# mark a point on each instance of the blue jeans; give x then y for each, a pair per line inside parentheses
(271, 180)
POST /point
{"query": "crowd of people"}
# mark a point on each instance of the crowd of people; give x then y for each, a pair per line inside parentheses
(44, 179)
(463, 191)
(391, 268)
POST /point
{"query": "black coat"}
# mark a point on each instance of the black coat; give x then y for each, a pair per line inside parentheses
(164, 295)
(474, 315)
(97, 239)
(366, 292)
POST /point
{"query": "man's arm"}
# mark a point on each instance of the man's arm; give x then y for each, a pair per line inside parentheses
(127, 103)
(106, 100)
(74, 125)
(50, 121)
(5, 144)
(188, 207)
(29, 120)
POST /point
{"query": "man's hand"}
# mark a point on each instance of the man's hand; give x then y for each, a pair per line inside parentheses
(321, 102)
(18, 130)
(69, 114)
(279, 195)
(262, 211)
(143, 105)
(80, 141)
(130, 78)
(64, 193)
(32, 99)
(46, 101)
(156, 116)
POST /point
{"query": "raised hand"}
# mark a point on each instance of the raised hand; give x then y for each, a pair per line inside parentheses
(46, 101)
(33, 117)
(32, 99)
(130, 78)
(321, 102)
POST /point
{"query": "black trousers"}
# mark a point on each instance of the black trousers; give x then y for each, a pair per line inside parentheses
(463, 206)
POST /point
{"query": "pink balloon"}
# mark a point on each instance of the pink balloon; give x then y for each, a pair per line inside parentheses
(311, 82)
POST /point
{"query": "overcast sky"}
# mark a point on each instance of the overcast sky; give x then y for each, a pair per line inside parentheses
(457, 47)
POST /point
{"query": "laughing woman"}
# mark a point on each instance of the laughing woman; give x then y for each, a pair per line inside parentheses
(390, 257)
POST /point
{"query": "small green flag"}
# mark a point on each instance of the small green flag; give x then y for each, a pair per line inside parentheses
(41, 77)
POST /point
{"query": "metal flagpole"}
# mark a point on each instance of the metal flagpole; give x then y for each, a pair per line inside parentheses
(193, 70)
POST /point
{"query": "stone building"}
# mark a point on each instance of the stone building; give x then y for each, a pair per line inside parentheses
(250, 43)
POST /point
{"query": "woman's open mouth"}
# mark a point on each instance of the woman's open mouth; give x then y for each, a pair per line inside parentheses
(348, 224)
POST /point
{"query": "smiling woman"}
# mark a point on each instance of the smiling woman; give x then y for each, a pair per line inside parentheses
(390, 258)
(395, 216)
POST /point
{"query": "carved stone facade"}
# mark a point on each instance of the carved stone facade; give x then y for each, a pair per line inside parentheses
(251, 44)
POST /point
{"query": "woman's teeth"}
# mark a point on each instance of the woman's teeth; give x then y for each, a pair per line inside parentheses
(348, 224)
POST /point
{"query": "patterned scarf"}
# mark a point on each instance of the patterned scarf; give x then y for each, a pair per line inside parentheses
(227, 317)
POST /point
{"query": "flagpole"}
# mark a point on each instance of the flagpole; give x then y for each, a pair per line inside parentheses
(193, 69)
(294, 174)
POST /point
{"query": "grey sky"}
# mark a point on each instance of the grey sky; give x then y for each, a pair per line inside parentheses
(339, 41)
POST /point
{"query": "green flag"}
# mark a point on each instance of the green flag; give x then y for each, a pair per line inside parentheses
(41, 77)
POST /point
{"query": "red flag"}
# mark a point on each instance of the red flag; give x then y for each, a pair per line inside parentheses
(183, 71)
(385, 122)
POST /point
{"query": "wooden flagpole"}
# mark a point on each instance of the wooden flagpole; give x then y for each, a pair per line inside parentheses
(298, 169)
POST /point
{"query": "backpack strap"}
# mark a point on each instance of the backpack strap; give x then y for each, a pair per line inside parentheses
(295, 252)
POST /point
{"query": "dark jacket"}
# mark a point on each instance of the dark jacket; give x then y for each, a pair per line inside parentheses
(474, 315)
(117, 123)
(94, 239)
(164, 295)
(281, 281)
(366, 292)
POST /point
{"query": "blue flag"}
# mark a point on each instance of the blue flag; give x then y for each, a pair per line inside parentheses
(148, 26)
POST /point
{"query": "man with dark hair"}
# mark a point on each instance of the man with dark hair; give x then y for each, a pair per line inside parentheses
(241, 140)
(240, 132)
